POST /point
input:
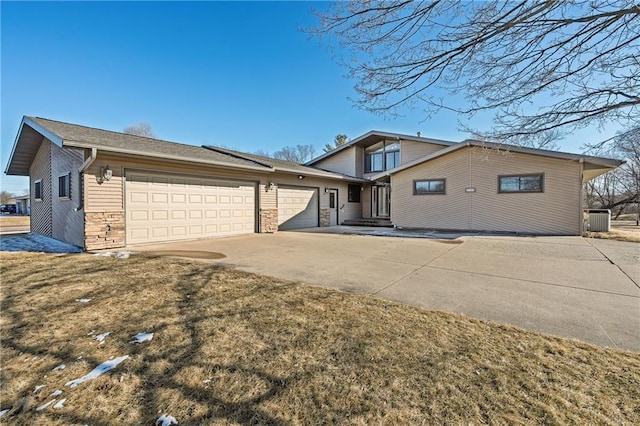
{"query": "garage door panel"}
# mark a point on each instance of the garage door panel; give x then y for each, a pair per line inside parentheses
(297, 207)
(164, 208)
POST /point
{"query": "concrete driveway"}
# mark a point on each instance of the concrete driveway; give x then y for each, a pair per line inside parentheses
(567, 286)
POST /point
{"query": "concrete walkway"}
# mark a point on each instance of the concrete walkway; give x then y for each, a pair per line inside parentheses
(565, 286)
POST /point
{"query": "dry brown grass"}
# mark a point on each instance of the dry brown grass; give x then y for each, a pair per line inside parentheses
(621, 230)
(14, 221)
(237, 348)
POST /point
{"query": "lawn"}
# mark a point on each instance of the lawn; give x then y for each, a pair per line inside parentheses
(231, 347)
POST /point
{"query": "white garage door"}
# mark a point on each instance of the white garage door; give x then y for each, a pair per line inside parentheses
(297, 207)
(171, 207)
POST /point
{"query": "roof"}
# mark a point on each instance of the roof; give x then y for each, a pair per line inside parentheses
(596, 162)
(33, 129)
(374, 136)
(283, 165)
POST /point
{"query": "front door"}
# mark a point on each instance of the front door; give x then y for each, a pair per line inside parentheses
(333, 207)
(380, 201)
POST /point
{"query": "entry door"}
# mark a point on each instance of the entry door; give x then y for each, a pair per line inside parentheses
(381, 199)
(333, 207)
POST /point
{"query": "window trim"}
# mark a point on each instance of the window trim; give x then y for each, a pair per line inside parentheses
(520, 191)
(35, 192)
(444, 186)
(67, 196)
(357, 189)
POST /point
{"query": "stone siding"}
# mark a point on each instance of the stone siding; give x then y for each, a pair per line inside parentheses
(268, 220)
(104, 230)
(325, 217)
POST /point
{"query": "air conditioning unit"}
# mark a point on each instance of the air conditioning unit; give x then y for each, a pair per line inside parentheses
(598, 220)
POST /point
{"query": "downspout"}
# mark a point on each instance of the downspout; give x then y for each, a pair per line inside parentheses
(581, 228)
(87, 163)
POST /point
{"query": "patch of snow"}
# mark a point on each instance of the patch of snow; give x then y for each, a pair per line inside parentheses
(91, 332)
(98, 371)
(38, 387)
(206, 381)
(60, 367)
(79, 358)
(35, 243)
(45, 405)
(83, 300)
(55, 393)
(100, 337)
(3, 412)
(60, 404)
(165, 420)
(142, 337)
(117, 254)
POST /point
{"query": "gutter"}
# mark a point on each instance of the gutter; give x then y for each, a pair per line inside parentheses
(83, 168)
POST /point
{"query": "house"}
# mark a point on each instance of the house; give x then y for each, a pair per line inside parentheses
(100, 189)
(23, 205)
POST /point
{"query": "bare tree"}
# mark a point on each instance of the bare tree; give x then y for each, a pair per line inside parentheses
(338, 141)
(6, 197)
(537, 65)
(140, 129)
(296, 154)
(618, 189)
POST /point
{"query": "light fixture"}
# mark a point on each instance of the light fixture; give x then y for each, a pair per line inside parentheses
(270, 186)
(105, 174)
(326, 189)
(300, 177)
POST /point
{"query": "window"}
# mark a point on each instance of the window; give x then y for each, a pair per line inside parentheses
(431, 186)
(521, 183)
(381, 156)
(332, 200)
(354, 193)
(64, 186)
(37, 190)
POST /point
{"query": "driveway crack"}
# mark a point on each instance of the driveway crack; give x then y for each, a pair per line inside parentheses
(614, 263)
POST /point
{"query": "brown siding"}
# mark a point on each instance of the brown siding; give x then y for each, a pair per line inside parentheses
(68, 221)
(343, 162)
(410, 150)
(555, 211)
(41, 222)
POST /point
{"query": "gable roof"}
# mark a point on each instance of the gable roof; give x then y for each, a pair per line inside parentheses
(374, 136)
(595, 162)
(77, 136)
(34, 129)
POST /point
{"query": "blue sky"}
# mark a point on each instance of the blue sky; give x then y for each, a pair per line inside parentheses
(236, 74)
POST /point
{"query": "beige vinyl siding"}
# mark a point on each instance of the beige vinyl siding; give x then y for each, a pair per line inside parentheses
(68, 225)
(448, 211)
(410, 150)
(343, 162)
(555, 211)
(109, 196)
(41, 221)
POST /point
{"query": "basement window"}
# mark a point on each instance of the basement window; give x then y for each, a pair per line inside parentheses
(64, 186)
(430, 186)
(37, 190)
(521, 183)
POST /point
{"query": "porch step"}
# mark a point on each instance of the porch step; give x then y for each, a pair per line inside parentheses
(375, 221)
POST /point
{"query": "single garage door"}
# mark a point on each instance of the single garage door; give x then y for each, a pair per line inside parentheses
(297, 207)
(171, 207)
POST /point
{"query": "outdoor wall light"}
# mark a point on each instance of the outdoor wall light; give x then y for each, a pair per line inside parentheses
(326, 189)
(271, 186)
(105, 174)
(300, 177)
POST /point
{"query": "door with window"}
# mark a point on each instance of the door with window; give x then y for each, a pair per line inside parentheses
(333, 207)
(381, 201)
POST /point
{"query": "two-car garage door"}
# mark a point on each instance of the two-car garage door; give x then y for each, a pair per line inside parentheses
(162, 207)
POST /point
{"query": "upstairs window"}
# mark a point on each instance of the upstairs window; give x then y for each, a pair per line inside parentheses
(430, 186)
(37, 190)
(64, 186)
(381, 156)
(354, 193)
(521, 183)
